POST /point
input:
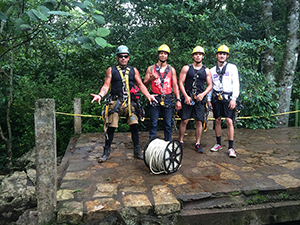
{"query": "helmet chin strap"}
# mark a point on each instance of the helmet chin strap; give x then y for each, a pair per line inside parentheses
(197, 62)
(162, 61)
(221, 63)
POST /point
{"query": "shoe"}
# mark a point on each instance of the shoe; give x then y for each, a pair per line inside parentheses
(181, 144)
(138, 152)
(198, 148)
(231, 153)
(216, 148)
(105, 156)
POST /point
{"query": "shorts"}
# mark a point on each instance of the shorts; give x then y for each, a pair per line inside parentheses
(220, 109)
(196, 111)
(113, 119)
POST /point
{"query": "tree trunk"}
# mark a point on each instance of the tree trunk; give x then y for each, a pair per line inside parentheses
(290, 61)
(9, 153)
(267, 59)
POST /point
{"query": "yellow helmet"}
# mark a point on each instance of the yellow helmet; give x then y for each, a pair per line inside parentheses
(198, 49)
(164, 48)
(223, 48)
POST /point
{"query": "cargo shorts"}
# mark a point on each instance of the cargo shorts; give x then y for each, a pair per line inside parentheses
(113, 119)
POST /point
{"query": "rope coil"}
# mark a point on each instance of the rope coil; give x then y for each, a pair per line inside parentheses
(163, 156)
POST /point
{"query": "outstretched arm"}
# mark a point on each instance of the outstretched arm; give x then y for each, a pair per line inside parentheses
(105, 88)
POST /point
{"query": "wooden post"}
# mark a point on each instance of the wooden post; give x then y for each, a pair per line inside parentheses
(210, 123)
(46, 170)
(297, 114)
(77, 119)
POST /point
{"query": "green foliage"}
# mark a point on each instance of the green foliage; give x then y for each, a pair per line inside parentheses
(258, 97)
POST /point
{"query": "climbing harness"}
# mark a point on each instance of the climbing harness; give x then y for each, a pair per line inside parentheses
(162, 80)
(238, 108)
(220, 74)
(175, 117)
(139, 111)
(194, 84)
(206, 112)
(125, 86)
(163, 156)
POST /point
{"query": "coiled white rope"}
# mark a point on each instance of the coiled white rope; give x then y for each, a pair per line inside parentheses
(156, 152)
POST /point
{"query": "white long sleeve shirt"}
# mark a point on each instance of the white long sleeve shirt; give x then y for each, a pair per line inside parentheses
(230, 81)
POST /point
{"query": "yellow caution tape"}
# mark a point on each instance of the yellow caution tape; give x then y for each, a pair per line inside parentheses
(245, 117)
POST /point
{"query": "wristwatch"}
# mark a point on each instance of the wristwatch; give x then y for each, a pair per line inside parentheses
(178, 100)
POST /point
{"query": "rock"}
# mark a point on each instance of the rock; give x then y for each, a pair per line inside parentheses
(70, 213)
(26, 161)
(17, 193)
(29, 217)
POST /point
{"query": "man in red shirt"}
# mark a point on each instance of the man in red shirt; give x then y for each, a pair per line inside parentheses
(162, 79)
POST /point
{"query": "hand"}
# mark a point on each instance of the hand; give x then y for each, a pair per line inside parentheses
(96, 98)
(188, 100)
(153, 76)
(200, 97)
(178, 105)
(210, 105)
(152, 98)
(232, 104)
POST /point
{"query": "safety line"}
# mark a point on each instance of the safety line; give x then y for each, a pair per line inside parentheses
(82, 115)
(245, 117)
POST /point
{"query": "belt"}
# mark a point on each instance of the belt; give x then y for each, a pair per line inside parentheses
(225, 95)
(116, 97)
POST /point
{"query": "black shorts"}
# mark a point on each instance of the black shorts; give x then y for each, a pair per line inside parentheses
(193, 111)
(220, 109)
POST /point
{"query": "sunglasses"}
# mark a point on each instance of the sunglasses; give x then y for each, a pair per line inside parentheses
(123, 56)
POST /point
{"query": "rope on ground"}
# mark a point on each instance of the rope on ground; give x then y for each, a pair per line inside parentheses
(158, 153)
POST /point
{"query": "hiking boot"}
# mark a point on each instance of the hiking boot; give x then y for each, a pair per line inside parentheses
(231, 153)
(198, 148)
(105, 156)
(216, 148)
(138, 152)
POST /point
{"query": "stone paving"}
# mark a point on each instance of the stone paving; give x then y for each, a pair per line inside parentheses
(267, 169)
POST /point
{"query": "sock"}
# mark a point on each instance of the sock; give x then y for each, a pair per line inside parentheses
(230, 144)
(219, 140)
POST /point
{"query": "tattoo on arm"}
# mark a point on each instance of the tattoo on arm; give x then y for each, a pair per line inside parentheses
(104, 91)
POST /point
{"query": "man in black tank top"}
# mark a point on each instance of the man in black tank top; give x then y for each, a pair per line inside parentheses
(117, 84)
(191, 83)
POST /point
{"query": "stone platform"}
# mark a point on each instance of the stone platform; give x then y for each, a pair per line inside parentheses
(260, 186)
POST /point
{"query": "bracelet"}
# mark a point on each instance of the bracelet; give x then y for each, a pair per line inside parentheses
(178, 100)
(100, 96)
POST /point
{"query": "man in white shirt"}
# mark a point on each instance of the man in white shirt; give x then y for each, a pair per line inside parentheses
(222, 98)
